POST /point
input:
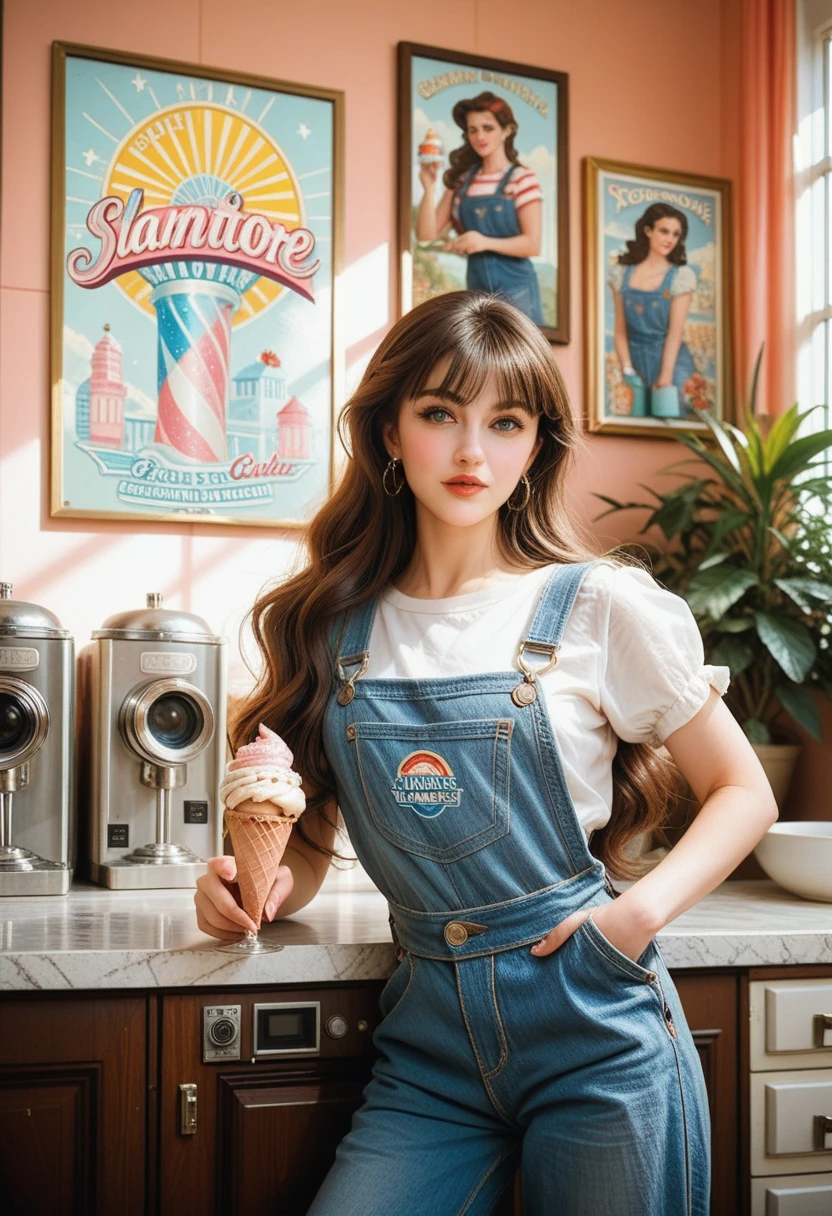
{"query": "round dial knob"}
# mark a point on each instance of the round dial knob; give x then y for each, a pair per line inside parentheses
(222, 1032)
(337, 1027)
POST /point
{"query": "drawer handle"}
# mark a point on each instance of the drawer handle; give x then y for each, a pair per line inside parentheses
(823, 1022)
(823, 1128)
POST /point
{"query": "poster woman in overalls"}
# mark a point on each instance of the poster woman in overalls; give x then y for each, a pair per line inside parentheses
(493, 203)
(653, 287)
(480, 694)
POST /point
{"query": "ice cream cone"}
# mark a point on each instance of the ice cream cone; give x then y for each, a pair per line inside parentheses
(263, 801)
(259, 838)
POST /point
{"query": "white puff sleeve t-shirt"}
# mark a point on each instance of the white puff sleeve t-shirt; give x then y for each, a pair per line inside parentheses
(630, 666)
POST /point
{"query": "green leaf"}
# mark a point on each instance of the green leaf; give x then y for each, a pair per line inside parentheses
(808, 586)
(755, 442)
(732, 652)
(800, 703)
(731, 518)
(676, 514)
(736, 624)
(755, 381)
(779, 437)
(788, 642)
(620, 506)
(756, 731)
(785, 541)
(815, 485)
(716, 560)
(724, 440)
(798, 454)
(712, 592)
(725, 471)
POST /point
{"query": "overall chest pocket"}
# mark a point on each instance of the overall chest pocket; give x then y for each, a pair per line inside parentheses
(438, 790)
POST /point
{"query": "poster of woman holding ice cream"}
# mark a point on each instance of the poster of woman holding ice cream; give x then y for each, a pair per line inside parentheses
(483, 182)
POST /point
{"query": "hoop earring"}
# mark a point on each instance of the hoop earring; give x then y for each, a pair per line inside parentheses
(526, 484)
(391, 469)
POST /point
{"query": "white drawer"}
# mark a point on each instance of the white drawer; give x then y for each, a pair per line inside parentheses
(788, 1024)
(792, 1195)
(785, 1136)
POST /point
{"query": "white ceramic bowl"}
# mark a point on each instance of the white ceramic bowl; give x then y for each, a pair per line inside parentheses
(798, 856)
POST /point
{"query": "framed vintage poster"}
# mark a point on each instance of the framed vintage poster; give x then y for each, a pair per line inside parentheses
(658, 328)
(483, 182)
(196, 236)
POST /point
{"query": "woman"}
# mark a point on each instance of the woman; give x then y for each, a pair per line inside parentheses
(480, 695)
(652, 286)
(492, 201)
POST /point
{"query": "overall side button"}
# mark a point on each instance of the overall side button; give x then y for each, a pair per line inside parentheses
(455, 933)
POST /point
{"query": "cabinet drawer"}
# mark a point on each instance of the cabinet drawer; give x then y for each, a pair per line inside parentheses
(792, 1195)
(785, 1112)
(791, 1024)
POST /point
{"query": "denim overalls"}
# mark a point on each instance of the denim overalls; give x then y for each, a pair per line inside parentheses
(496, 215)
(647, 315)
(456, 803)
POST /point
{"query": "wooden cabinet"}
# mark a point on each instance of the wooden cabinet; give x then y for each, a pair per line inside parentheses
(73, 1102)
(267, 1128)
(711, 1003)
(88, 1127)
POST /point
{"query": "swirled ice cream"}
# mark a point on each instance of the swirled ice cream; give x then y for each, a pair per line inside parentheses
(262, 772)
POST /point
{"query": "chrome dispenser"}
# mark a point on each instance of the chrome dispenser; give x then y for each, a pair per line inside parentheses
(37, 700)
(154, 692)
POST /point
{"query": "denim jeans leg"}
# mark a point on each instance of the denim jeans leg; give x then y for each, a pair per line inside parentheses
(431, 1159)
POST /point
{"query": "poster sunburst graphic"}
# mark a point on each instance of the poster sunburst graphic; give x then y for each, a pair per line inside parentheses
(200, 153)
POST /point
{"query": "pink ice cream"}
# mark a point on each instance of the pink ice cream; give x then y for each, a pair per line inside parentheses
(268, 749)
(262, 772)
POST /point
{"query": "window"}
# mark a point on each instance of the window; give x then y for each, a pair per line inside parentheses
(813, 165)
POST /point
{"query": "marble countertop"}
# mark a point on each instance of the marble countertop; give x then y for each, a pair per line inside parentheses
(99, 939)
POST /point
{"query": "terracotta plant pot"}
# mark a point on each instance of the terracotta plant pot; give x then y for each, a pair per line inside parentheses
(778, 761)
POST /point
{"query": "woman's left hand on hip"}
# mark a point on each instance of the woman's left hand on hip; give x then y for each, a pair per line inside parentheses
(617, 929)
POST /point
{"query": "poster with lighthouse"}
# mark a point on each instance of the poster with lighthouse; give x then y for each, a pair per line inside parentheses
(196, 243)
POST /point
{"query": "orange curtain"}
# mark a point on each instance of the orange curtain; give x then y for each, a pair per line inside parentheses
(765, 203)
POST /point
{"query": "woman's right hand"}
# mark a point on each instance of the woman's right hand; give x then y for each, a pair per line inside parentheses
(428, 175)
(218, 912)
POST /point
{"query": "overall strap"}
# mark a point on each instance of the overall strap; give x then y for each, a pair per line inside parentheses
(555, 604)
(469, 177)
(352, 648)
(544, 634)
(504, 179)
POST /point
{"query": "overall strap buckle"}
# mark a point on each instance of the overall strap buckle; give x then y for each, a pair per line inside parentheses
(361, 662)
(526, 693)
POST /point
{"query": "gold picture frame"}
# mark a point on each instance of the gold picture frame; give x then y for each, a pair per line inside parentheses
(625, 207)
(211, 237)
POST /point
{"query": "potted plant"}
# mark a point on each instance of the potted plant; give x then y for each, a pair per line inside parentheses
(750, 549)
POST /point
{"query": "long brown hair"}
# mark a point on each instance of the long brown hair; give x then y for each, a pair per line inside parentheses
(361, 539)
(464, 158)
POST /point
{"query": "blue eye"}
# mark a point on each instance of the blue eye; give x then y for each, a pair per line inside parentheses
(432, 412)
(512, 425)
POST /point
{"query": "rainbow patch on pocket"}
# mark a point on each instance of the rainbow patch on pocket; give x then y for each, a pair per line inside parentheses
(425, 782)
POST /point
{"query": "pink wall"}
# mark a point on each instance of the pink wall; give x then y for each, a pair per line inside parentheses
(647, 85)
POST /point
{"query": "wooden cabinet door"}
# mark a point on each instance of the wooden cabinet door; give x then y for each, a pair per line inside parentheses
(710, 1001)
(277, 1136)
(73, 1090)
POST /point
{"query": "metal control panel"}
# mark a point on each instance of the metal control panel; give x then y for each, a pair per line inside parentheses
(221, 1032)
